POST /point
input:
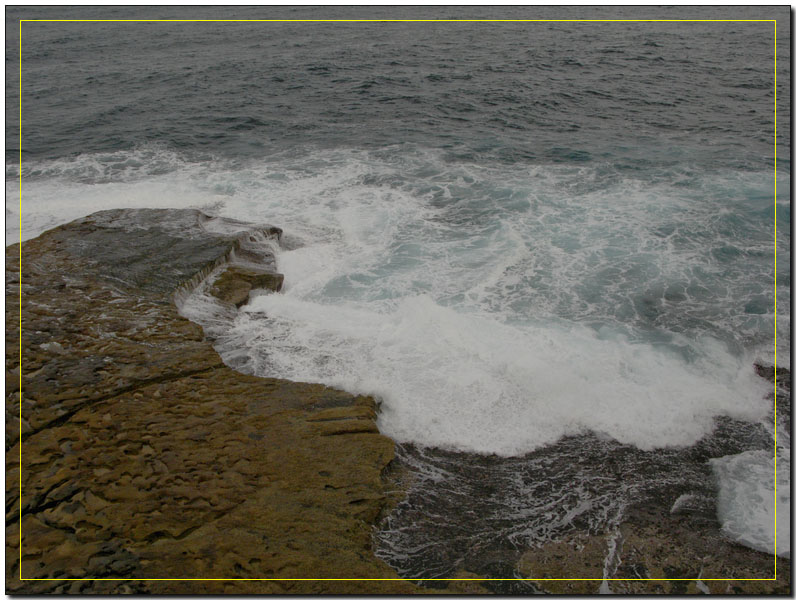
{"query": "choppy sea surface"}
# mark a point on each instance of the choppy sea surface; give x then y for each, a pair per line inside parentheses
(514, 235)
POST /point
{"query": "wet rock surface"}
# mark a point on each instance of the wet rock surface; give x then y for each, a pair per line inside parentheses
(141, 455)
(679, 556)
(582, 510)
(235, 284)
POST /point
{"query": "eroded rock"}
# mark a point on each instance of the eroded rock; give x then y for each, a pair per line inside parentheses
(144, 456)
(235, 284)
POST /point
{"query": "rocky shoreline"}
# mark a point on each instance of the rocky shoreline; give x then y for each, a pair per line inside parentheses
(144, 457)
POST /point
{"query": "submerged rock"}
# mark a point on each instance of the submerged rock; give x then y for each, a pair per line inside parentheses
(141, 455)
(651, 553)
(582, 516)
(780, 375)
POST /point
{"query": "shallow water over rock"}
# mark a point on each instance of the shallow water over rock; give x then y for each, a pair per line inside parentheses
(563, 511)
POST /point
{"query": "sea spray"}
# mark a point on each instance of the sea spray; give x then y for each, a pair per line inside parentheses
(465, 382)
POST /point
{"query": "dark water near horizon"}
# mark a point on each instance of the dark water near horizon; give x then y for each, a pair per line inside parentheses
(512, 233)
(635, 94)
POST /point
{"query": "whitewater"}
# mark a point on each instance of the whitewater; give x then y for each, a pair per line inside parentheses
(490, 310)
(513, 236)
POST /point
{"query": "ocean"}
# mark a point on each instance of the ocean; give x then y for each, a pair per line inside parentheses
(539, 245)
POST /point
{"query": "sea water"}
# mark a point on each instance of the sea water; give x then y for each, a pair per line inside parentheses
(509, 234)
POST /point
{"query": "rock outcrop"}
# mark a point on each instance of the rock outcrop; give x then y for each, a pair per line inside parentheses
(139, 455)
(236, 283)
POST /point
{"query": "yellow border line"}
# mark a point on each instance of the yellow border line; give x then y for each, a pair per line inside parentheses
(387, 579)
(775, 299)
(398, 21)
(19, 278)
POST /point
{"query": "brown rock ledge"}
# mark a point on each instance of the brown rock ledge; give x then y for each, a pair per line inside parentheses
(235, 284)
(143, 456)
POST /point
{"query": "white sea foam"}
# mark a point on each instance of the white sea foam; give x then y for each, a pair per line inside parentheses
(59, 191)
(493, 308)
(489, 307)
(551, 242)
(467, 382)
(747, 499)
